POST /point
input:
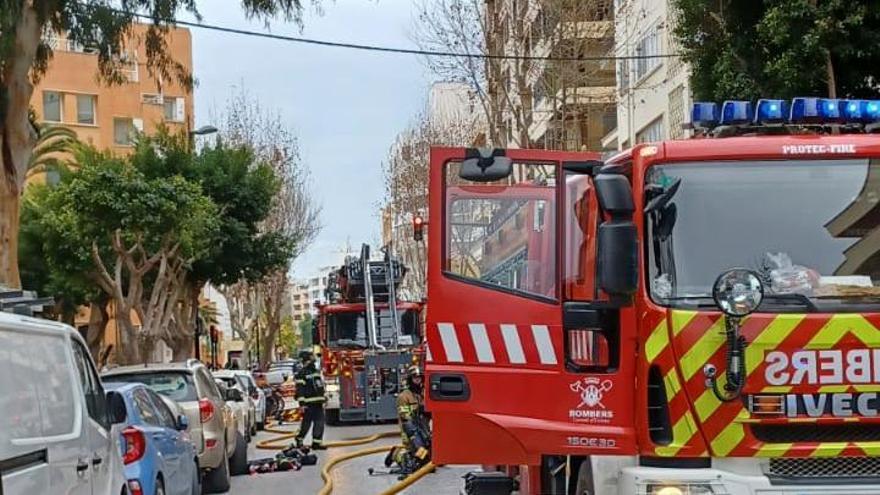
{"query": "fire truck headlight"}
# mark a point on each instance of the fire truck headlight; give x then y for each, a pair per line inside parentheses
(738, 292)
(689, 489)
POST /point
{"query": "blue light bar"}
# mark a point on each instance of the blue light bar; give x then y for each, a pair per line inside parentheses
(704, 114)
(735, 112)
(817, 111)
(863, 111)
(771, 112)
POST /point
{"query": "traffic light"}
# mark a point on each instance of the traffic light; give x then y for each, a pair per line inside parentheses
(418, 228)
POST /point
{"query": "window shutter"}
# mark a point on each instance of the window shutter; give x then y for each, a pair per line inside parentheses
(179, 110)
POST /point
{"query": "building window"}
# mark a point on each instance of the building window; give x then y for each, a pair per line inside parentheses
(623, 74)
(677, 113)
(51, 106)
(85, 109)
(649, 46)
(123, 132)
(174, 109)
(652, 132)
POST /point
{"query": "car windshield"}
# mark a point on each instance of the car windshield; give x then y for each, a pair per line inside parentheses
(178, 387)
(808, 228)
(349, 330)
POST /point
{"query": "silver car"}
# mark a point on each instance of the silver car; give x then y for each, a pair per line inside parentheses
(222, 448)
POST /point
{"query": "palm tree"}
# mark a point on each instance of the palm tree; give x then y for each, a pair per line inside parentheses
(53, 142)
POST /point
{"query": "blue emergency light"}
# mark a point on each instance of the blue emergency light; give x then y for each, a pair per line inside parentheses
(704, 114)
(864, 111)
(816, 111)
(734, 112)
(771, 112)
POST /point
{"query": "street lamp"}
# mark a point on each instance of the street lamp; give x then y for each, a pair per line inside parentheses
(204, 130)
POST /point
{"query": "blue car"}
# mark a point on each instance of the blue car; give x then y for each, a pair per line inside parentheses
(157, 452)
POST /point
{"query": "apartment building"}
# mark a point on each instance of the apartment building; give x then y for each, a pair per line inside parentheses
(560, 103)
(653, 93)
(305, 292)
(108, 117)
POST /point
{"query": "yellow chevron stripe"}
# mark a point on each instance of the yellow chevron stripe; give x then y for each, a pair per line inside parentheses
(850, 420)
(681, 319)
(728, 439)
(769, 338)
(867, 388)
(708, 343)
(706, 404)
(683, 430)
(869, 448)
(657, 341)
(673, 386)
(773, 449)
(831, 389)
(777, 389)
(829, 449)
(841, 325)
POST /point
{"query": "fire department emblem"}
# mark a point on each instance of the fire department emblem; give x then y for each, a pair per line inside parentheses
(591, 391)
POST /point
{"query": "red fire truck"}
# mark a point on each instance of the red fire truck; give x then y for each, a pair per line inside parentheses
(368, 338)
(688, 317)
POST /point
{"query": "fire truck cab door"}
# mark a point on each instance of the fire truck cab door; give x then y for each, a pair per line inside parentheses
(502, 387)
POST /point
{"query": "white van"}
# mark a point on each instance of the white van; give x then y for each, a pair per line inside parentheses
(55, 420)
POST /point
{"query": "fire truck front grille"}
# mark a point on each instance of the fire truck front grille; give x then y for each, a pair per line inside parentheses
(824, 467)
(793, 433)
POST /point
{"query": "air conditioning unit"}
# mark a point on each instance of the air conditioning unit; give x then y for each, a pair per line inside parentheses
(151, 99)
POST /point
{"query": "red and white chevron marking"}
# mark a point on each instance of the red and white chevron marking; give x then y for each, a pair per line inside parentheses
(493, 344)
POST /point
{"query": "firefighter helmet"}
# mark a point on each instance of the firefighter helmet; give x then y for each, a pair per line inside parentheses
(414, 378)
(306, 355)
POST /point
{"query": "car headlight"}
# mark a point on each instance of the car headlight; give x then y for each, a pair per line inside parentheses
(680, 490)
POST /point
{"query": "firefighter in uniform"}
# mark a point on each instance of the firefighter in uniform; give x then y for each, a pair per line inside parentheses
(409, 410)
(310, 395)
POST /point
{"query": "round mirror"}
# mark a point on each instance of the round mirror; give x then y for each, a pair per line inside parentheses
(738, 292)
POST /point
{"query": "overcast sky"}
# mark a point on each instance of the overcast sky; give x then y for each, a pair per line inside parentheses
(346, 106)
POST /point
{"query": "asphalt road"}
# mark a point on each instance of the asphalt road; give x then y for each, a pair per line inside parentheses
(349, 477)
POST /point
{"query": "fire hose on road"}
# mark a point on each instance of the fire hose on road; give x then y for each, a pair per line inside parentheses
(275, 443)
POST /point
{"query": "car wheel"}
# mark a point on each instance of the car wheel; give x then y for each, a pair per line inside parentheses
(196, 488)
(218, 481)
(238, 464)
(160, 487)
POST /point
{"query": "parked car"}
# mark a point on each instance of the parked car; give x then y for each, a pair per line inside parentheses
(57, 425)
(239, 380)
(236, 402)
(257, 395)
(157, 451)
(222, 450)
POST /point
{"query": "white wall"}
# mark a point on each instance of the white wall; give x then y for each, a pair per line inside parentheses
(660, 95)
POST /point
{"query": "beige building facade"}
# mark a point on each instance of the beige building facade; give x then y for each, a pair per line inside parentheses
(109, 116)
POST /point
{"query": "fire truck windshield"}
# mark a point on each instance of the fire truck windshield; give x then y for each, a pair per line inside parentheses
(809, 228)
(349, 329)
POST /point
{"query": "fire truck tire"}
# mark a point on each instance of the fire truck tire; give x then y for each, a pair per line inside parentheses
(333, 417)
(584, 480)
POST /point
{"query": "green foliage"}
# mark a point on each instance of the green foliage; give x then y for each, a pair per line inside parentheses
(53, 143)
(48, 264)
(241, 187)
(305, 331)
(107, 195)
(289, 338)
(746, 49)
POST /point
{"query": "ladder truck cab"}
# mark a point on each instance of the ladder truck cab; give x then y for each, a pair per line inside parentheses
(368, 338)
(687, 317)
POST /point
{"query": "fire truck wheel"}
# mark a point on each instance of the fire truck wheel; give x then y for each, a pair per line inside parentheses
(584, 484)
(333, 417)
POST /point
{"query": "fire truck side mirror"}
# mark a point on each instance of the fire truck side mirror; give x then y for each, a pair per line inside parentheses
(485, 165)
(618, 242)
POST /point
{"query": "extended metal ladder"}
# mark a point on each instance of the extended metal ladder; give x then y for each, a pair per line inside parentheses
(385, 268)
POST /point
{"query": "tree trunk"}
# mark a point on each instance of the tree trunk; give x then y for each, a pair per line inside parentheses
(832, 80)
(132, 346)
(98, 319)
(183, 341)
(17, 138)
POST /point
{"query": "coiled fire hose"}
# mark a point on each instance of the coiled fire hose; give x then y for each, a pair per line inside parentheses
(326, 474)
